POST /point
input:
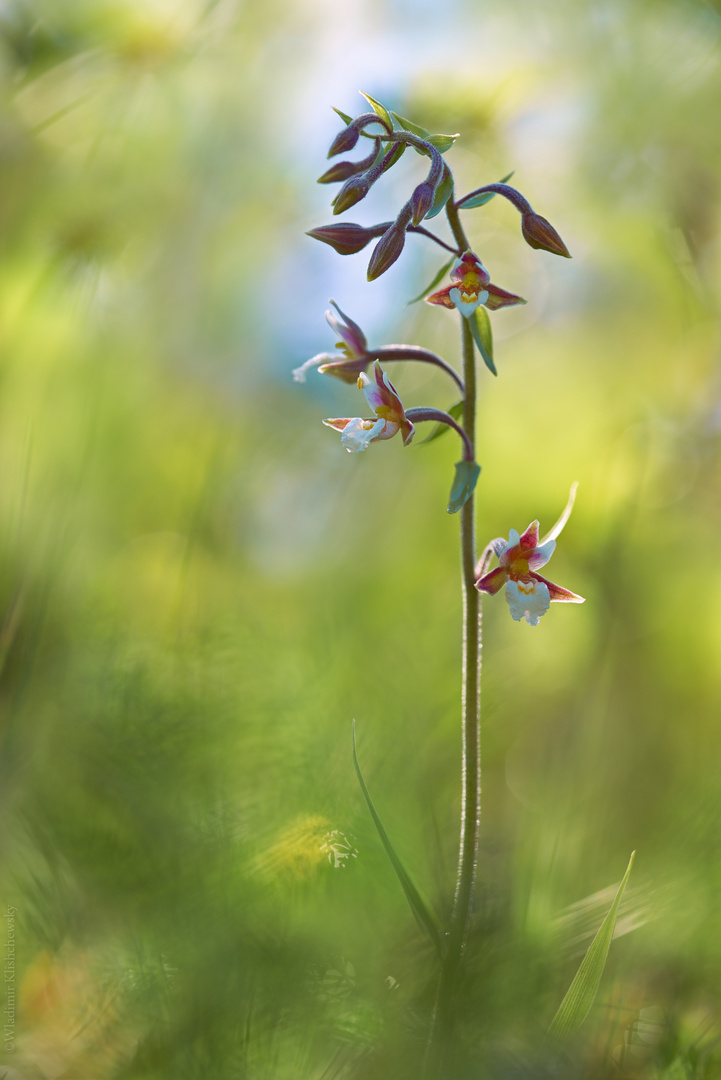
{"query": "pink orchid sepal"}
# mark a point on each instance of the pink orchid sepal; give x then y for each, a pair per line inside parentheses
(357, 433)
(529, 595)
(471, 288)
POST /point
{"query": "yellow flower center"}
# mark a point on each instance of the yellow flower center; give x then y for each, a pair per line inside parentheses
(518, 568)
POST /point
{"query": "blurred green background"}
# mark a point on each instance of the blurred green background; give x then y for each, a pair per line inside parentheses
(200, 590)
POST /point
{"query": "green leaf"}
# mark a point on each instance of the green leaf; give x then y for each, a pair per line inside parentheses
(464, 482)
(423, 915)
(414, 129)
(581, 994)
(481, 200)
(378, 109)
(480, 325)
(436, 281)
(441, 142)
(443, 192)
(456, 411)
(344, 116)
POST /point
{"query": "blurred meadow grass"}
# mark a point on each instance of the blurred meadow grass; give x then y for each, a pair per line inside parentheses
(200, 590)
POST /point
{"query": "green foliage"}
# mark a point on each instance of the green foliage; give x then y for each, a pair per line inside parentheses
(581, 994)
(199, 589)
(421, 912)
(378, 109)
(485, 197)
(464, 483)
(438, 278)
(444, 192)
(456, 411)
(442, 143)
(480, 326)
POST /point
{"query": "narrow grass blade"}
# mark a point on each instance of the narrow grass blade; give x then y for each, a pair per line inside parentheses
(436, 281)
(581, 994)
(423, 915)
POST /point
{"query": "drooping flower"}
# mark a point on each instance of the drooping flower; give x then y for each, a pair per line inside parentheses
(390, 418)
(472, 287)
(528, 594)
(353, 345)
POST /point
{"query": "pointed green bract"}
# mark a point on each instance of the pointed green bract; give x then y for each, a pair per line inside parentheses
(464, 483)
(378, 109)
(436, 280)
(423, 915)
(444, 192)
(441, 142)
(344, 116)
(456, 411)
(415, 129)
(581, 994)
(481, 200)
(480, 324)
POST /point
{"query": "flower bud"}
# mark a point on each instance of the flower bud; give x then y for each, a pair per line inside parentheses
(342, 170)
(387, 250)
(352, 192)
(345, 140)
(539, 233)
(422, 201)
(345, 238)
(390, 244)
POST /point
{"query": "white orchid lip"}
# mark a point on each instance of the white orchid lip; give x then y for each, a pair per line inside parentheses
(467, 301)
(359, 434)
(528, 600)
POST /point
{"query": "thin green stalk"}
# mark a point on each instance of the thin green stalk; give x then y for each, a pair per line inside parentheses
(439, 1052)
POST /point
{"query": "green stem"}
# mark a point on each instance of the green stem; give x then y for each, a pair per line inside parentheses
(439, 1051)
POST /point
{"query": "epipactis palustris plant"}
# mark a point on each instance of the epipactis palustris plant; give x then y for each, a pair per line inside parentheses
(473, 294)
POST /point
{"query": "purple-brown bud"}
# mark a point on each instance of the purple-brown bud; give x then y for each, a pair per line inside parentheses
(345, 238)
(352, 192)
(390, 245)
(345, 140)
(341, 171)
(422, 201)
(539, 233)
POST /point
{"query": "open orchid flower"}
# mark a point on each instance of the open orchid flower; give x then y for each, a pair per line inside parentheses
(472, 287)
(390, 417)
(353, 345)
(528, 594)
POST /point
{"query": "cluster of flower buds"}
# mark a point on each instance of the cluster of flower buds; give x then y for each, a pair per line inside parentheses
(359, 176)
(427, 199)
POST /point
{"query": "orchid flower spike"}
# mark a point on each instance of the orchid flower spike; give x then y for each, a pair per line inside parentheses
(390, 417)
(528, 594)
(353, 345)
(472, 288)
